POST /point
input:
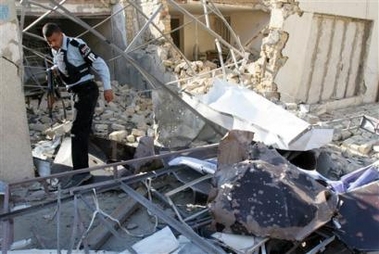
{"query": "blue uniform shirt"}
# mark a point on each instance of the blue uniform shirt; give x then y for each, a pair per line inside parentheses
(75, 57)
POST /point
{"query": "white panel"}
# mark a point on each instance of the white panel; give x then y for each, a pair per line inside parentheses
(344, 64)
(355, 60)
(331, 71)
(321, 60)
(309, 61)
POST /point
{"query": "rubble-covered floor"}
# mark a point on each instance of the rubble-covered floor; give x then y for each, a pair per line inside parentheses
(352, 148)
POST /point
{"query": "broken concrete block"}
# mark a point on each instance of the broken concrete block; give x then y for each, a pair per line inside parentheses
(58, 129)
(268, 197)
(150, 132)
(101, 127)
(117, 127)
(107, 114)
(312, 119)
(118, 135)
(291, 106)
(359, 144)
(365, 148)
(131, 138)
(138, 119)
(99, 110)
(138, 133)
(346, 134)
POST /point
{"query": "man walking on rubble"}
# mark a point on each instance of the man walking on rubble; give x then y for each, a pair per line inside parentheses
(73, 60)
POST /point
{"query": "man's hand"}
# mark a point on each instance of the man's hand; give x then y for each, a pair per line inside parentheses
(108, 95)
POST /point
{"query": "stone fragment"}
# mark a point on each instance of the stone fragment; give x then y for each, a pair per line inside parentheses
(117, 127)
(131, 138)
(118, 135)
(138, 133)
(101, 127)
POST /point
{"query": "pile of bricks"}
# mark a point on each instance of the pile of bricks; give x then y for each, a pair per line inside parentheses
(128, 117)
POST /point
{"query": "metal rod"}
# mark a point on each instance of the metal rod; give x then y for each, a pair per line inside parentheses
(181, 228)
(82, 228)
(75, 226)
(82, 189)
(22, 19)
(167, 39)
(321, 245)
(218, 46)
(142, 30)
(193, 216)
(157, 38)
(216, 11)
(43, 16)
(128, 162)
(58, 220)
(187, 185)
(106, 223)
(184, 11)
(105, 20)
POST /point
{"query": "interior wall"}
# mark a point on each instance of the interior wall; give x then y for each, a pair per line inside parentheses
(196, 35)
(247, 25)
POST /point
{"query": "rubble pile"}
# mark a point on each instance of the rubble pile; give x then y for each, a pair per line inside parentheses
(127, 118)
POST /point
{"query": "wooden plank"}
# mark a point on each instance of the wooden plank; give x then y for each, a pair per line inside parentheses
(99, 235)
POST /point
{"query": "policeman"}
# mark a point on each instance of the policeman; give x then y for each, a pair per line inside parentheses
(73, 60)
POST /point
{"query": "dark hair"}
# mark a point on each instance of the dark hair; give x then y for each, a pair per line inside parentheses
(49, 28)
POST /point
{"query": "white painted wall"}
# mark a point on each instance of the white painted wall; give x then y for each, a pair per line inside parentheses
(15, 150)
(324, 54)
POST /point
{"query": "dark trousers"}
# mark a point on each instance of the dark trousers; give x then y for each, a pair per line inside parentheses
(86, 99)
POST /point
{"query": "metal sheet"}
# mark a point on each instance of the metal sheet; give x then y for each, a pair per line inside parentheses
(360, 218)
(235, 107)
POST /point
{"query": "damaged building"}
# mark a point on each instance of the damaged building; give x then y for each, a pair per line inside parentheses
(237, 127)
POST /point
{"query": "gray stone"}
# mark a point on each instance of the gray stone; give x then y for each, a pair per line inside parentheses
(117, 127)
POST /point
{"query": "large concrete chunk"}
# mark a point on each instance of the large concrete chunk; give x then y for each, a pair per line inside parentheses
(270, 198)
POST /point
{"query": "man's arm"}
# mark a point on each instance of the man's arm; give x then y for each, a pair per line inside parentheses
(99, 65)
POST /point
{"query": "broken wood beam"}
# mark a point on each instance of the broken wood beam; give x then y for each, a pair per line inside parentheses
(99, 235)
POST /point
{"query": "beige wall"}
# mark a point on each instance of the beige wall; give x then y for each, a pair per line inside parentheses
(245, 30)
(257, 20)
(15, 150)
(204, 40)
(333, 54)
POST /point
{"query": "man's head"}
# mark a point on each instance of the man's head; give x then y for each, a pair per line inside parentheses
(53, 35)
